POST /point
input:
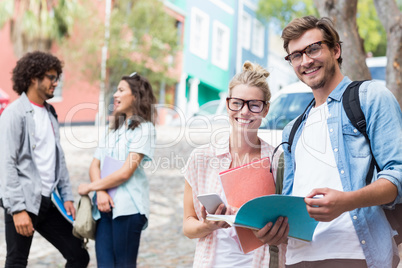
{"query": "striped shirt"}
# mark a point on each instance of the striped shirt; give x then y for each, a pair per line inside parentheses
(202, 174)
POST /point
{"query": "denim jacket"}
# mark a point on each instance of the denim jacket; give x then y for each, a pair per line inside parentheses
(20, 182)
(352, 155)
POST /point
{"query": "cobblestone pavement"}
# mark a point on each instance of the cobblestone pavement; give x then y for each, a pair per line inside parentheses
(162, 243)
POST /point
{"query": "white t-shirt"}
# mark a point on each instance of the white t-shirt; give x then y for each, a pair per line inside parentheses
(45, 148)
(316, 168)
(228, 250)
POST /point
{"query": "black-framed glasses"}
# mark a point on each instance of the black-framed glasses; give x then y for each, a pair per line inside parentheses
(53, 78)
(313, 51)
(255, 106)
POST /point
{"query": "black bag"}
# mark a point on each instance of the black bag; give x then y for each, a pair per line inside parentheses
(351, 105)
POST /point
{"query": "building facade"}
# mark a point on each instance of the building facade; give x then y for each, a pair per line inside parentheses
(219, 36)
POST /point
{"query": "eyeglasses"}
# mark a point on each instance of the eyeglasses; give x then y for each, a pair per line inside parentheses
(313, 51)
(255, 106)
(53, 78)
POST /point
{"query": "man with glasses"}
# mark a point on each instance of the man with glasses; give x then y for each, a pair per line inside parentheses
(329, 159)
(32, 165)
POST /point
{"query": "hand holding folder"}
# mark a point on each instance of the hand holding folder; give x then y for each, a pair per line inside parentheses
(256, 213)
(109, 166)
(242, 184)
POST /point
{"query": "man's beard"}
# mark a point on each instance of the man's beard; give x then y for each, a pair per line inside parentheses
(323, 81)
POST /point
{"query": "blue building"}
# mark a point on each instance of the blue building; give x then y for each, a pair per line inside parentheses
(219, 36)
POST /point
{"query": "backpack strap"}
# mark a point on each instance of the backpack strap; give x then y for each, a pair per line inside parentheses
(351, 105)
(52, 110)
(296, 125)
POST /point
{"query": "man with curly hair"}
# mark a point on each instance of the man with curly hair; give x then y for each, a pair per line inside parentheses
(32, 165)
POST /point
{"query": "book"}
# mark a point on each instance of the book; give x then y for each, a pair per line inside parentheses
(59, 204)
(257, 212)
(109, 166)
(242, 184)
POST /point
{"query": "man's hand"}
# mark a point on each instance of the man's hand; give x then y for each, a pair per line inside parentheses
(69, 206)
(274, 235)
(104, 201)
(23, 223)
(328, 207)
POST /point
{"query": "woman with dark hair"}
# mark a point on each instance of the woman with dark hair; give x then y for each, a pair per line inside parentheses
(122, 198)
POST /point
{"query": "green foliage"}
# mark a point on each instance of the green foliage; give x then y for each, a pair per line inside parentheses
(370, 28)
(142, 38)
(65, 13)
(6, 11)
(40, 20)
(282, 12)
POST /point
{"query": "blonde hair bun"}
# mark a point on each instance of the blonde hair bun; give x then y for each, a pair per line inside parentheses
(254, 67)
(252, 75)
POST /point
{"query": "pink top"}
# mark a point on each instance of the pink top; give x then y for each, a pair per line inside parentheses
(202, 173)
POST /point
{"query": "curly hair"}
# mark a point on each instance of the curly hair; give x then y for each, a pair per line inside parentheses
(299, 26)
(144, 105)
(252, 75)
(33, 65)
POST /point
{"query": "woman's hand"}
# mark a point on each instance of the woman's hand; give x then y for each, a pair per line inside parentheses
(84, 189)
(214, 225)
(276, 234)
(104, 201)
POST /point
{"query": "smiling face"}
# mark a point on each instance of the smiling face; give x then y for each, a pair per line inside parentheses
(244, 119)
(123, 99)
(321, 71)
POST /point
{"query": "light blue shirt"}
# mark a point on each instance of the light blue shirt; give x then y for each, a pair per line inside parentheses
(352, 156)
(132, 196)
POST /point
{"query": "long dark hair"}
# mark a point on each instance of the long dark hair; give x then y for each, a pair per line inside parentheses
(143, 107)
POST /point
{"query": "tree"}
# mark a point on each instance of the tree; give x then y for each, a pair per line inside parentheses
(391, 18)
(344, 13)
(36, 24)
(143, 38)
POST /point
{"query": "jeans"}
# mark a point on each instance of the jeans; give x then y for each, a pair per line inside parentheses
(117, 240)
(54, 228)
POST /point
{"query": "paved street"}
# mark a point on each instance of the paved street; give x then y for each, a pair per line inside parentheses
(162, 244)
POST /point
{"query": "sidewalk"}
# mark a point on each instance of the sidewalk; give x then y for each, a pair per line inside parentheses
(162, 243)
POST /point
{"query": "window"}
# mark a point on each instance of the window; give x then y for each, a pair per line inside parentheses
(199, 31)
(285, 108)
(258, 38)
(245, 30)
(220, 45)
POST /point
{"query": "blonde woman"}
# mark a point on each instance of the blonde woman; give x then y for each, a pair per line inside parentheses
(247, 104)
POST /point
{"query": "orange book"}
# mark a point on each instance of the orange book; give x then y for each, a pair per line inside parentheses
(242, 184)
